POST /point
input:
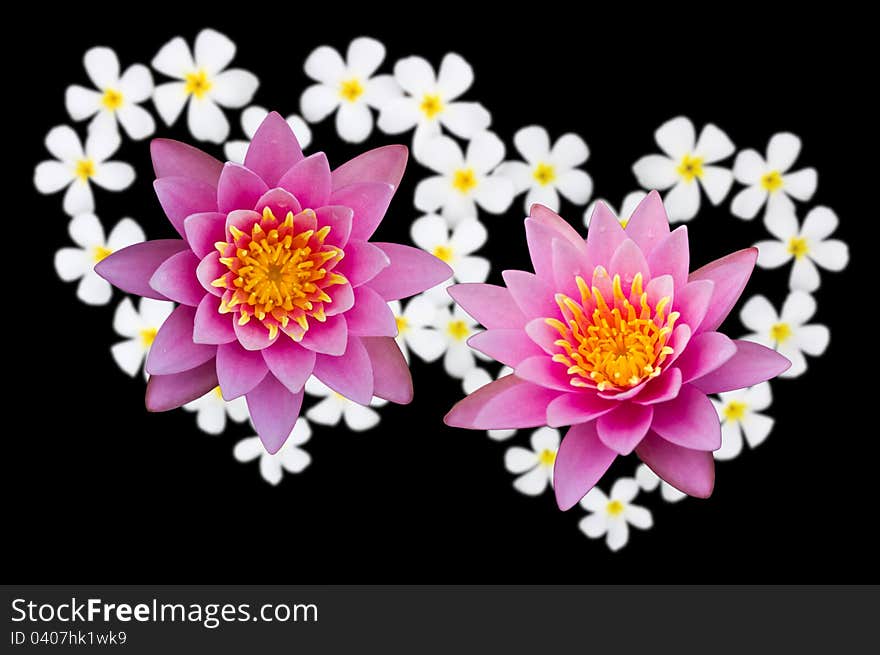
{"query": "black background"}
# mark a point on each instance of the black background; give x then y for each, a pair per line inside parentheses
(97, 489)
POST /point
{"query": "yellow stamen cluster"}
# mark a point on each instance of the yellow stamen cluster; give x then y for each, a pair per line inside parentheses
(612, 345)
(112, 99)
(84, 169)
(197, 84)
(771, 181)
(544, 174)
(431, 105)
(735, 410)
(615, 508)
(798, 247)
(351, 90)
(690, 167)
(279, 273)
(464, 180)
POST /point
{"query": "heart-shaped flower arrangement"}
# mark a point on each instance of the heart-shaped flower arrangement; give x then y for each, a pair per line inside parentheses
(273, 268)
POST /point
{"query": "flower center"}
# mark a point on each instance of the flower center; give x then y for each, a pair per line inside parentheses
(148, 336)
(443, 253)
(351, 90)
(218, 393)
(402, 324)
(690, 167)
(735, 410)
(431, 105)
(197, 84)
(546, 457)
(84, 169)
(615, 508)
(544, 174)
(464, 179)
(458, 330)
(771, 181)
(279, 272)
(112, 99)
(780, 332)
(612, 344)
(798, 247)
(101, 252)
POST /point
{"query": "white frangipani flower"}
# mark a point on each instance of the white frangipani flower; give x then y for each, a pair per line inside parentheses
(549, 171)
(205, 83)
(739, 414)
(686, 166)
(139, 327)
(456, 327)
(348, 86)
(290, 457)
(431, 100)
(789, 333)
(768, 180)
(612, 515)
(534, 467)
(212, 409)
(251, 118)
(479, 377)
(335, 406)
(627, 207)
(79, 263)
(75, 167)
(463, 181)
(415, 328)
(648, 481)
(808, 245)
(431, 233)
(116, 98)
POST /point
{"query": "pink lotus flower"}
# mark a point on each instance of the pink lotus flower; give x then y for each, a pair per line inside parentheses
(276, 278)
(615, 338)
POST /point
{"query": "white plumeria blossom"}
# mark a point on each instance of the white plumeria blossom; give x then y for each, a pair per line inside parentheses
(463, 181)
(789, 333)
(648, 481)
(627, 207)
(686, 166)
(335, 406)
(117, 96)
(212, 409)
(75, 167)
(139, 327)
(205, 83)
(479, 377)
(456, 327)
(431, 233)
(549, 171)
(348, 87)
(415, 328)
(740, 416)
(768, 180)
(807, 245)
(290, 457)
(251, 118)
(534, 466)
(613, 514)
(78, 263)
(430, 100)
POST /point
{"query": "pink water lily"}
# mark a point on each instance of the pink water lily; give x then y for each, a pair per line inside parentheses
(613, 336)
(276, 278)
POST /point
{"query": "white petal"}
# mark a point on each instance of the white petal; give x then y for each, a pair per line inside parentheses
(170, 98)
(315, 387)
(234, 88)
(113, 175)
(782, 151)
(101, 144)
(472, 269)
(532, 483)
(325, 65)
(747, 202)
(126, 320)
(517, 172)
(618, 534)
(398, 115)
(812, 339)
(647, 479)
(455, 77)
(237, 409)
(630, 202)
(364, 56)
(717, 182)
(466, 119)
(762, 338)
(438, 295)
(174, 59)
(457, 207)
(624, 490)
(129, 355)
(415, 75)
(594, 525)
(93, 289)
(801, 184)
(427, 343)
(595, 501)
(756, 428)
(300, 434)
(354, 122)
(102, 67)
(569, 151)
(781, 224)
(441, 155)
(484, 152)
(431, 193)
(797, 359)
(63, 143)
(758, 314)
(638, 516)
(670, 494)
(576, 185)
(78, 199)
(380, 90)
(819, 224)
(154, 312)
(206, 121)
(772, 254)
(136, 84)
(494, 194)
(500, 435)
(748, 167)
(72, 263)
(713, 144)
(81, 102)
(136, 121)
(518, 459)
(360, 418)
(655, 172)
(213, 51)
(804, 275)
(429, 231)
(676, 137)
(420, 312)
(301, 130)
(248, 449)
(477, 377)
(469, 236)
(125, 233)
(798, 308)
(545, 439)
(459, 359)
(758, 397)
(318, 101)
(251, 118)
(86, 231)
(270, 468)
(682, 201)
(778, 203)
(51, 176)
(326, 412)
(533, 143)
(542, 195)
(832, 254)
(731, 441)
(294, 460)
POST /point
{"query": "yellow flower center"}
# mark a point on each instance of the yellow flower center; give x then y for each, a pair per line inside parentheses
(780, 332)
(198, 84)
(443, 253)
(148, 336)
(546, 457)
(351, 90)
(690, 168)
(218, 393)
(431, 105)
(464, 180)
(544, 174)
(458, 330)
(402, 324)
(615, 508)
(112, 99)
(84, 169)
(771, 181)
(101, 252)
(614, 344)
(623, 222)
(279, 272)
(798, 247)
(735, 410)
